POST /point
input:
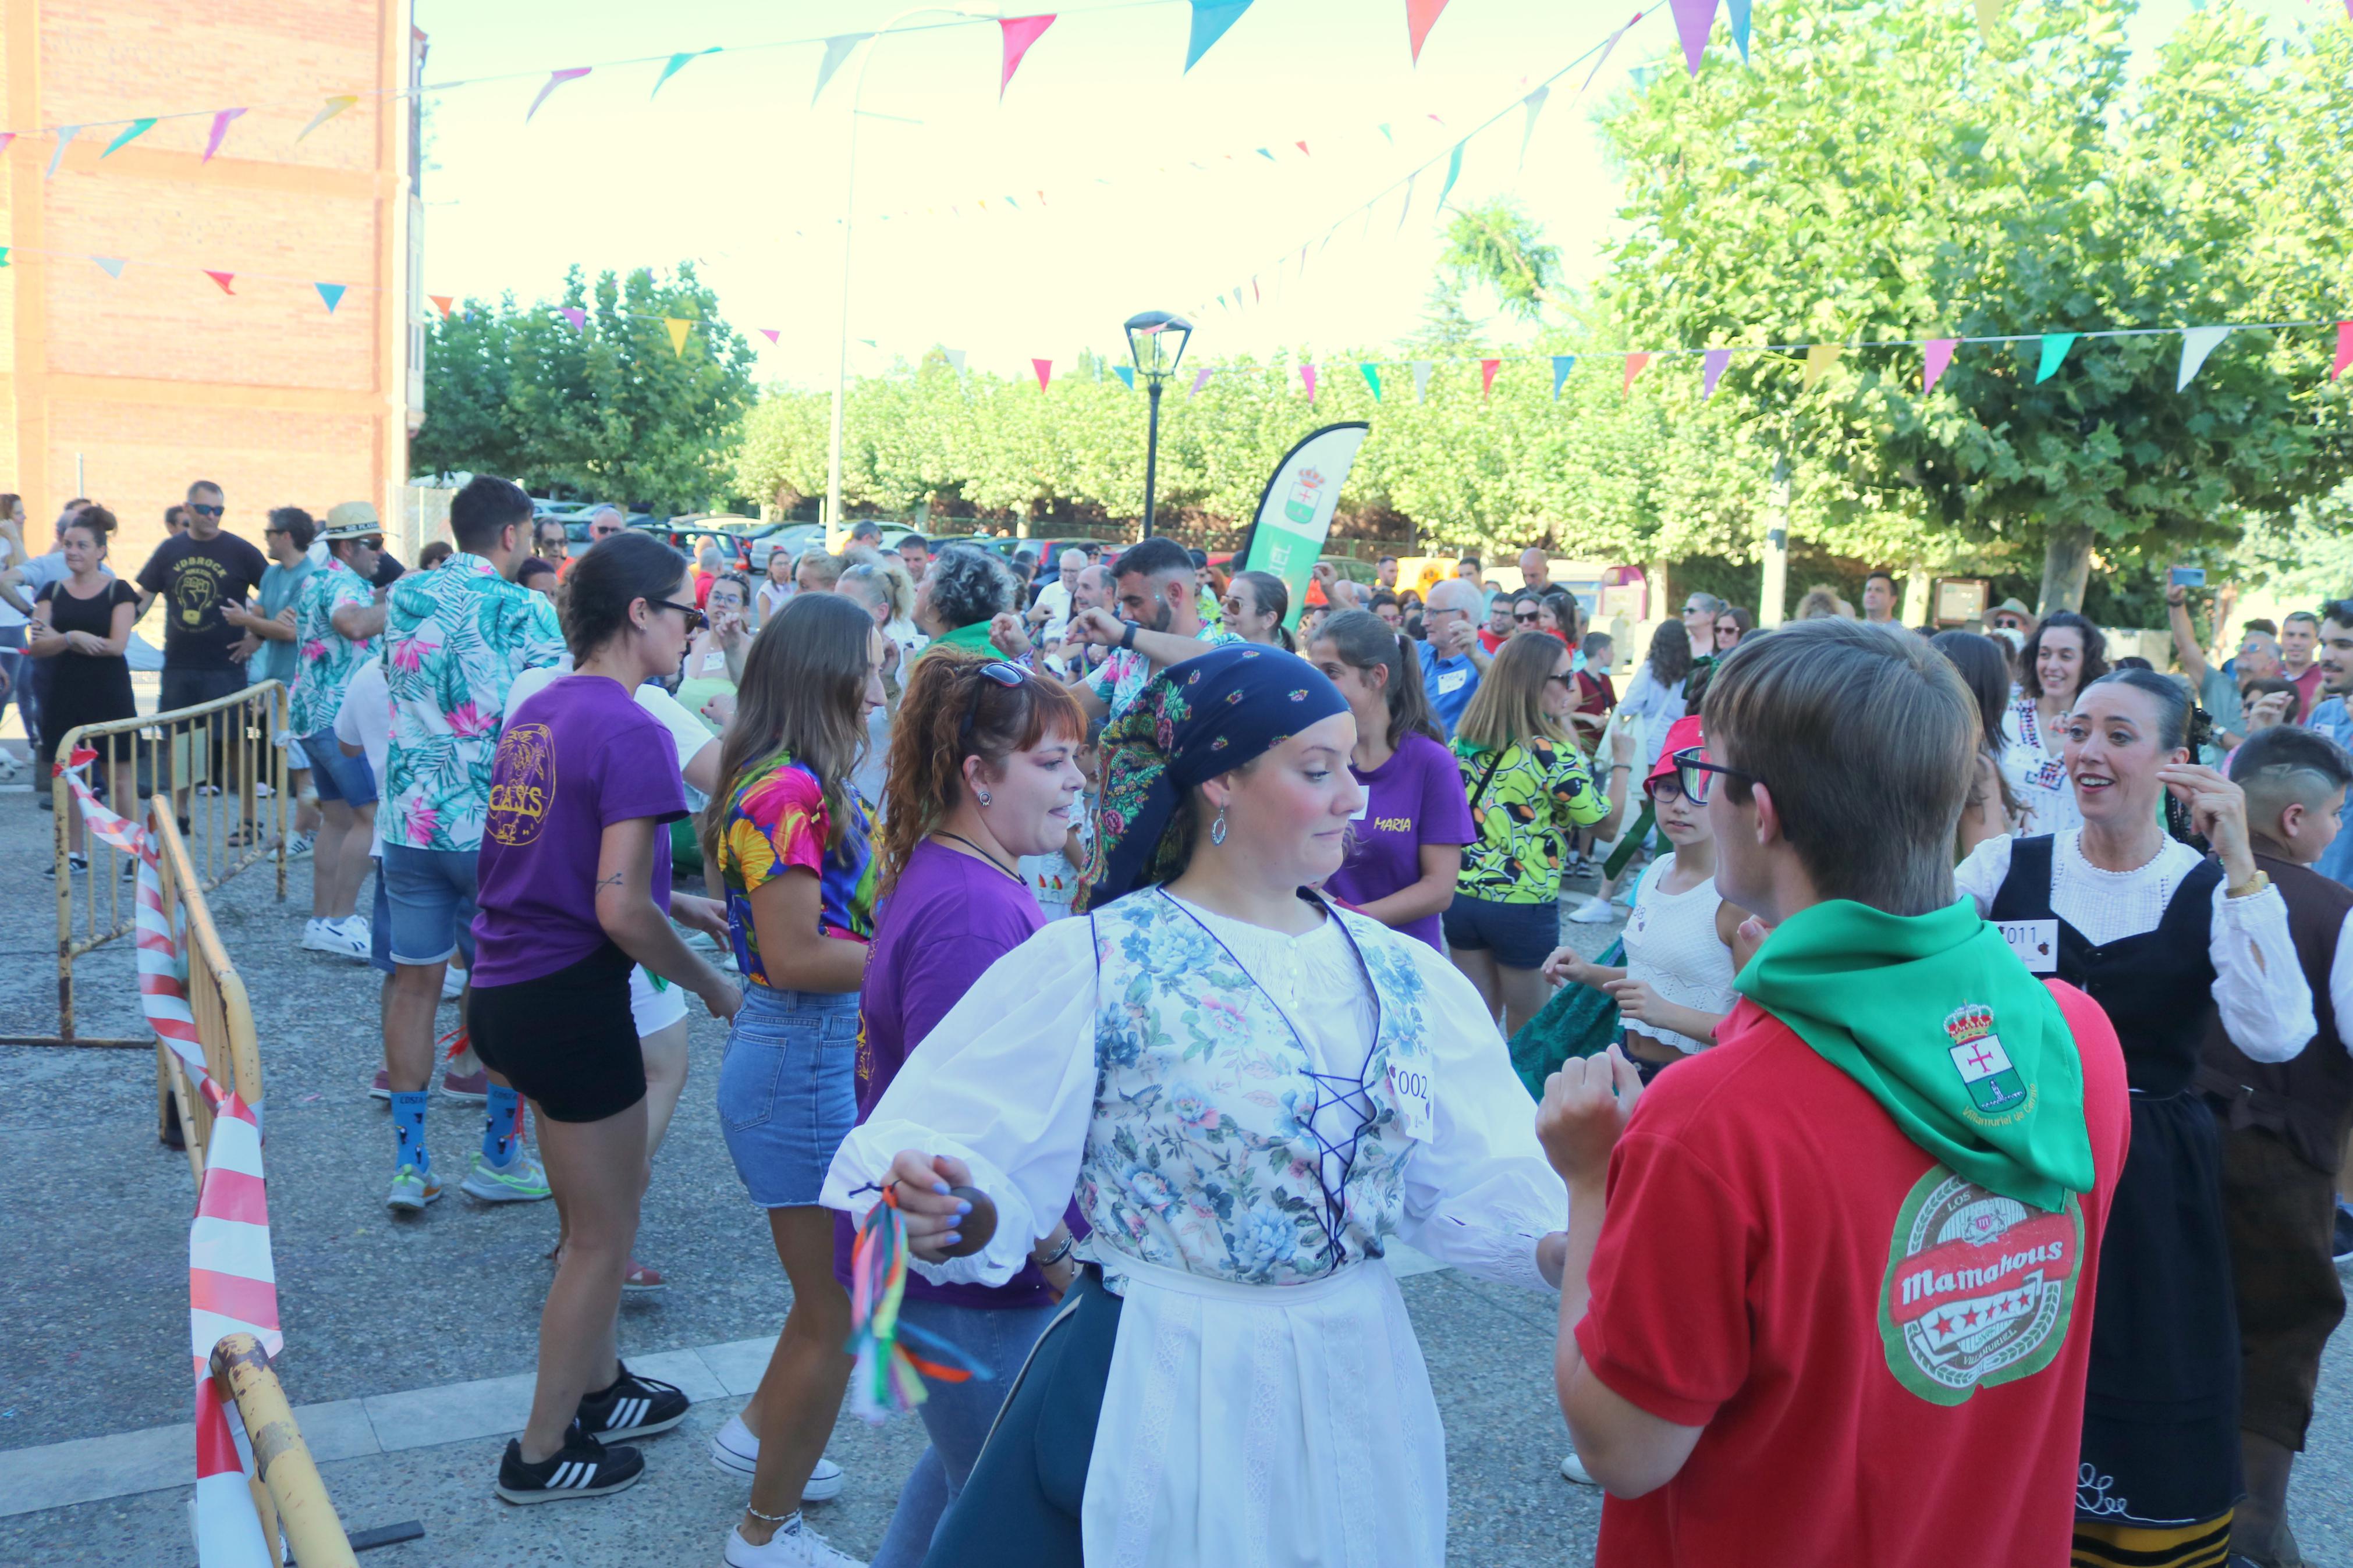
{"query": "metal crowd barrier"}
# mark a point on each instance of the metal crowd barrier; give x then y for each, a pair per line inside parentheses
(215, 997)
(227, 746)
(287, 1491)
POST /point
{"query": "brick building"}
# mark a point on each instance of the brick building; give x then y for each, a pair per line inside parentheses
(126, 387)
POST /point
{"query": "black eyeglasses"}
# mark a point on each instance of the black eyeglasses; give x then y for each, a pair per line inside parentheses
(1009, 675)
(695, 619)
(1692, 771)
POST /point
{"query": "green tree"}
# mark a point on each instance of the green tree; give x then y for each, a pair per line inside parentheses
(1501, 246)
(469, 371)
(1881, 171)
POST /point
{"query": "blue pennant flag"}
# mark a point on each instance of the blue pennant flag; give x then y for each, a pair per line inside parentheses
(1561, 366)
(1210, 20)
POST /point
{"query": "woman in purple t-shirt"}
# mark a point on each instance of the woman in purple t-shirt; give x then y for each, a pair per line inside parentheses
(1405, 850)
(574, 886)
(982, 771)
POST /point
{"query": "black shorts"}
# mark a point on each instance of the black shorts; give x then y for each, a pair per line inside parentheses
(567, 1040)
(1521, 936)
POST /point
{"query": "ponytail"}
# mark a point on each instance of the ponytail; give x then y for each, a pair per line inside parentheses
(1362, 640)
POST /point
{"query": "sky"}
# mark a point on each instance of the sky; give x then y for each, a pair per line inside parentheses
(1133, 184)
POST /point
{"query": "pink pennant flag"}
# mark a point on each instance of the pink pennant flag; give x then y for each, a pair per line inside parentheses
(576, 316)
(1302, 149)
(1420, 16)
(770, 334)
(223, 279)
(1307, 375)
(2344, 329)
(1487, 369)
(1934, 354)
(1711, 371)
(1693, 19)
(219, 129)
(1044, 367)
(1608, 45)
(443, 303)
(6, 138)
(1019, 33)
(555, 80)
(1254, 294)
(1201, 380)
(1634, 363)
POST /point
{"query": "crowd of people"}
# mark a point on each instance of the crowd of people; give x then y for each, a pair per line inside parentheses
(1975, 1107)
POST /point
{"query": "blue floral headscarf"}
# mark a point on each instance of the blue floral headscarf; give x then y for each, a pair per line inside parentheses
(1191, 722)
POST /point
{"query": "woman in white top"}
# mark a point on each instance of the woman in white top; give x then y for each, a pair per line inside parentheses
(2065, 654)
(1250, 1092)
(775, 589)
(2164, 939)
(1655, 695)
(1676, 985)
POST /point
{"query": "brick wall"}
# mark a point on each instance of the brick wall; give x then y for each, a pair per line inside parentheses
(157, 378)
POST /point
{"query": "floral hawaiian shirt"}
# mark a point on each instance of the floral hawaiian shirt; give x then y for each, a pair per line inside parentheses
(455, 638)
(328, 659)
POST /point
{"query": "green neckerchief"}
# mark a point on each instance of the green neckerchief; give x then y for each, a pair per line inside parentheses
(1938, 1020)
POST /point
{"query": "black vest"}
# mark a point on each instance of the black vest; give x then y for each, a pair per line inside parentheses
(2305, 1100)
(2157, 988)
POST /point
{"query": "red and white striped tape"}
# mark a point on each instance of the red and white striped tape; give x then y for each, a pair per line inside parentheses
(232, 1282)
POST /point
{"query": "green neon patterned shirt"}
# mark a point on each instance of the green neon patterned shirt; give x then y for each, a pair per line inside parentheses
(1538, 791)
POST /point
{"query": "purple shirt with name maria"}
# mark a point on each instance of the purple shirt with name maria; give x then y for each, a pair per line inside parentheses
(949, 917)
(1414, 798)
(572, 759)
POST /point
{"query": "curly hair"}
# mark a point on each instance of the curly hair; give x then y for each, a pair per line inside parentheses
(969, 584)
(2095, 652)
(952, 711)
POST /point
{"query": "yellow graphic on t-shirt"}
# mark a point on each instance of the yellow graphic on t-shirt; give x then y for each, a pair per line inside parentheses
(197, 590)
(522, 785)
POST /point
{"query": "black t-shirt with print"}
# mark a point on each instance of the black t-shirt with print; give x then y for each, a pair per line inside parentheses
(192, 576)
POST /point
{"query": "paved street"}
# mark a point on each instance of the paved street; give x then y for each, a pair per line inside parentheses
(442, 1311)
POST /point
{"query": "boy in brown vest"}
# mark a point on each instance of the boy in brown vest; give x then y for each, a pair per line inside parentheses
(2284, 1128)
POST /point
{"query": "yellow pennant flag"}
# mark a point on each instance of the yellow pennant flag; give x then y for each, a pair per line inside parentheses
(1988, 12)
(678, 331)
(1820, 357)
(335, 106)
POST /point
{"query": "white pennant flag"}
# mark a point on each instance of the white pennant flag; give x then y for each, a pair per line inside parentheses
(2197, 342)
(837, 49)
(955, 358)
(1536, 102)
(1421, 369)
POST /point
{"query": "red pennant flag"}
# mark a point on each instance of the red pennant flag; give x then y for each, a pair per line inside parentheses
(1044, 367)
(1634, 363)
(1420, 16)
(769, 332)
(442, 302)
(1487, 369)
(1019, 33)
(220, 277)
(2344, 332)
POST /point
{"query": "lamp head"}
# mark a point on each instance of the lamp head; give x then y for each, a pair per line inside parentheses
(1157, 339)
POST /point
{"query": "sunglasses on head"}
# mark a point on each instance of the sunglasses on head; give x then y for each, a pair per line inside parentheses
(1009, 675)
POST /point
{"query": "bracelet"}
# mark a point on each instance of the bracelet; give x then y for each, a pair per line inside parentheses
(2251, 886)
(1060, 1253)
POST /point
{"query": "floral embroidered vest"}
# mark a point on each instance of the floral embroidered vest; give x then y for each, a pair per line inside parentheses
(1201, 1156)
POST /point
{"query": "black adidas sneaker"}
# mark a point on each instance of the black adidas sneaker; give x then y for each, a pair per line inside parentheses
(633, 1407)
(583, 1467)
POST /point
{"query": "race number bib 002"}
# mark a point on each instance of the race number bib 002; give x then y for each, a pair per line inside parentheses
(2036, 942)
(1410, 1089)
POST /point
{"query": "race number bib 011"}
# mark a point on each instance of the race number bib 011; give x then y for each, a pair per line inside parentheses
(1410, 1090)
(2036, 942)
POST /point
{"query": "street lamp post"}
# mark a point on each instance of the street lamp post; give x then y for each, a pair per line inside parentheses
(1156, 339)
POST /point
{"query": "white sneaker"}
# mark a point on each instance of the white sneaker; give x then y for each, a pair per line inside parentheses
(453, 983)
(735, 1448)
(1594, 913)
(336, 937)
(314, 937)
(1573, 1468)
(299, 847)
(795, 1545)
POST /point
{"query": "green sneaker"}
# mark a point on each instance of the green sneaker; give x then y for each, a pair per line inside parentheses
(521, 1180)
(411, 1189)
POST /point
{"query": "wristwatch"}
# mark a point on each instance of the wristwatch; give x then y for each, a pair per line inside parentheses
(2251, 886)
(1127, 634)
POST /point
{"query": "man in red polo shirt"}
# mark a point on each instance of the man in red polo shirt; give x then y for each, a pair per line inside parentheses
(1829, 1292)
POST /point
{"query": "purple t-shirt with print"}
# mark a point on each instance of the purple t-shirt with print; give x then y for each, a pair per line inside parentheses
(949, 917)
(572, 759)
(1414, 798)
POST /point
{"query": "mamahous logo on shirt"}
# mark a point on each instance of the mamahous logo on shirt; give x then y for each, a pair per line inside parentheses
(522, 785)
(1979, 1287)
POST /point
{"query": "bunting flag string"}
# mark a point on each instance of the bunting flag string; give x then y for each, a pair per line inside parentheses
(1634, 363)
(1561, 366)
(1535, 102)
(110, 265)
(1307, 375)
(1126, 374)
(2344, 330)
(1201, 380)
(2195, 344)
(677, 329)
(66, 133)
(555, 79)
(1820, 357)
(442, 302)
(335, 106)
(679, 62)
(223, 279)
(1019, 33)
(1694, 20)
(1711, 366)
(1045, 372)
(2054, 349)
(332, 293)
(130, 134)
(1487, 369)
(219, 129)
(838, 49)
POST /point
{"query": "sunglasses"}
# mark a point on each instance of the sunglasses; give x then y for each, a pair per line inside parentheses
(1236, 608)
(1527, 620)
(1009, 675)
(1693, 775)
(203, 510)
(695, 619)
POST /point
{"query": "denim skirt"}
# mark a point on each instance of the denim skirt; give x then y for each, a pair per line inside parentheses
(787, 1091)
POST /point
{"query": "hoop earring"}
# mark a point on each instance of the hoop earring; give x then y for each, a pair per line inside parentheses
(1217, 828)
(981, 796)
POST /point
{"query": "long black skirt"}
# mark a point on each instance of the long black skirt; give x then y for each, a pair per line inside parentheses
(2161, 1409)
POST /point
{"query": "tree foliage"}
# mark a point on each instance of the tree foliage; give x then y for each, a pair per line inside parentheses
(1501, 246)
(1882, 173)
(609, 411)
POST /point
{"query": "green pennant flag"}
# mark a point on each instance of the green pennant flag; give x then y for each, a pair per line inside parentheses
(137, 129)
(1453, 173)
(2054, 350)
(1372, 374)
(677, 63)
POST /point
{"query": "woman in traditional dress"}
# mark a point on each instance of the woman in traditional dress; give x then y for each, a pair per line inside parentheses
(2162, 937)
(1252, 1092)
(2065, 654)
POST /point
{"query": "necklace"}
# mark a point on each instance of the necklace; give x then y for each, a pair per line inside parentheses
(985, 854)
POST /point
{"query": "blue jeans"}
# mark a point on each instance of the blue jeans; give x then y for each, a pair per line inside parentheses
(788, 1092)
(956, 1416)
